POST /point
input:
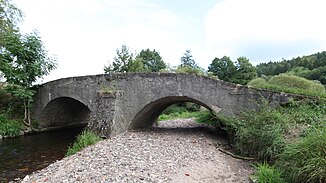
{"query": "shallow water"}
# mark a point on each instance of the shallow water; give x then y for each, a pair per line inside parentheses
(22, 155)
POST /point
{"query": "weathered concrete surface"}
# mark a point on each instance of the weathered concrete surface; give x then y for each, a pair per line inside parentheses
(114, 103)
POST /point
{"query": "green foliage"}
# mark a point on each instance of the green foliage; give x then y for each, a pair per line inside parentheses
(291, 81)
(290, 84)
(244, 73)
(223, 68)
(180, 111)
(190, 70)
(267, 174)
(312, 67)
(145, 61)
(120, 61)
(86, 138)
(187, 60)
(207, 117)
(305, 159)
(10, 16)
(9, 127)
(261, 134)
(241, 72)
(152, 60)
(178, 115)
(23, 58)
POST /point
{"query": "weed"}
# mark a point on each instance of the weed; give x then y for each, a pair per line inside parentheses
(9, 127)
(268, 174)
(305, 160)
(86, 138)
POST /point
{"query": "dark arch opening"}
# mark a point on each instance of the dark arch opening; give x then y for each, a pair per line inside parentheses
(149, 114)
(64, 112)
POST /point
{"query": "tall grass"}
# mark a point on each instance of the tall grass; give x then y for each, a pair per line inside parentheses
(293, 137)
(86, 138)
(305, 160)
(268, 174)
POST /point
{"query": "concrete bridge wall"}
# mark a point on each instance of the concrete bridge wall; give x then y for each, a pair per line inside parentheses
(114, 103)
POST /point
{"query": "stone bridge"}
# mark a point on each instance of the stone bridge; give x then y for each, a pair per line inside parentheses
(113, 103)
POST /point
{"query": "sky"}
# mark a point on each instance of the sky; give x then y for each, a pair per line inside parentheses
(84, 34)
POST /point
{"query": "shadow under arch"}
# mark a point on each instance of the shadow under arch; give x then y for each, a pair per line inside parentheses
(149, 114)
(64, 112)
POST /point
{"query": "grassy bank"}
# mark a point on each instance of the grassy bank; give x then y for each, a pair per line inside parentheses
(86, 138)
(292, 139)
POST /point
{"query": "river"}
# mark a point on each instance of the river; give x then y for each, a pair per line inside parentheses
(22, 155)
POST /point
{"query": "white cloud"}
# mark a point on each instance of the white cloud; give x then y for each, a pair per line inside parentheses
(236, 27)
(85, 34)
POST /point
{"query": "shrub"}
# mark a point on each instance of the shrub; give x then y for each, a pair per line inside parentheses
(177, 115)
(305, 160)
(261, 133)
(292, 81)
(174, 109)
(290, 84)
(86, 138)
(9, 127)
(268, 174)
(257, 82)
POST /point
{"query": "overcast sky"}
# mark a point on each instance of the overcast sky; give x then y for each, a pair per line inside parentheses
(84, 34)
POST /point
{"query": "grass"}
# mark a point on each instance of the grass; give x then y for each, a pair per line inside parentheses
(182, 115)
(181, 111)
(268, 174)
(86, 138)
(305, 159)
(290, 140)
(290, 84)
(292, 137)
(9, 127)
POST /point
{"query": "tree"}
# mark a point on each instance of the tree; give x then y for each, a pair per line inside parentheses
(187, 60)
(245, 71)
(152, 60)
(9, 16)
(223, 68)
(120, 61)
(23, 58)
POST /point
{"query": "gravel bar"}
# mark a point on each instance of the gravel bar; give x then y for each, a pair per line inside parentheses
(174, 151)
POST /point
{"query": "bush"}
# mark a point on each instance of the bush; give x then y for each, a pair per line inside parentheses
(305, 160)
(268, 174)
(174, 109)
(290, 84)
(292, 81)
(9, 127)
(257, 82)
(261, 134)
(86, 138)
(177, 115)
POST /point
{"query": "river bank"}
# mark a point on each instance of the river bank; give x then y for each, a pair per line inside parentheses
(175, 151)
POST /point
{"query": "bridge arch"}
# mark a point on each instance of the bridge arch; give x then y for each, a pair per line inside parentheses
(64, 111)
(149, 114)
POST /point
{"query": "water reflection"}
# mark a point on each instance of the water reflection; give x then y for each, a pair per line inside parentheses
(23, 155)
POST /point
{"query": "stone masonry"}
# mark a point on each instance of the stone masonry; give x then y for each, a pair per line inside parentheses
(113, 103)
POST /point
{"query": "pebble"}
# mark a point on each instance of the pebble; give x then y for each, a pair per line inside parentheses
(175, 151)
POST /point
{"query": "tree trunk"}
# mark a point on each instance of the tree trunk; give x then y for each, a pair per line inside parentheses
(26, 115)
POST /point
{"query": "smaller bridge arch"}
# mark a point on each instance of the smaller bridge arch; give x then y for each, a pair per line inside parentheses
(149, 114)
(64, 111)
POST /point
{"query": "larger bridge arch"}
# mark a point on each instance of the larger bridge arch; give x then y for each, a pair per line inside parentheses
(118, 102)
